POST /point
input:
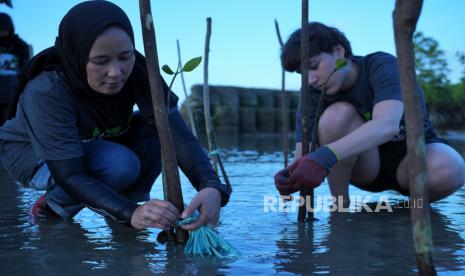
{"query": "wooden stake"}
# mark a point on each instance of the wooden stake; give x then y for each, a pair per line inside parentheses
(306, 194)
(284, 112)
(212, 145)
(172, 184)
(206, 97)
(406, 14)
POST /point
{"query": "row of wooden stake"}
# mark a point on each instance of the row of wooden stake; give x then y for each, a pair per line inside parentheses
(405, 15)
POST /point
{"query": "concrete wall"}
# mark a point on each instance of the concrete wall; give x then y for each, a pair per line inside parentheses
(238, 110)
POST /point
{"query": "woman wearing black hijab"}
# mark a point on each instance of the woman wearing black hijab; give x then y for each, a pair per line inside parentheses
(14, 54)
(74, 133)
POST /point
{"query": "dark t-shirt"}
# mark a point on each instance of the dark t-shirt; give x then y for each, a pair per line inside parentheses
(378, 80)
(50, 124)
(13, 57)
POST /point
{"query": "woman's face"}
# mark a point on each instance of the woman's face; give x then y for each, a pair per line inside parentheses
(111, 60)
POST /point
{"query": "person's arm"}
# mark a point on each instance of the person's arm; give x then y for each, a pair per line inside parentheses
(193, 160)
(383, 79)
(196, 165)
(382, 128)
(281, 178)
(191, 157)
(72, 176)
(311, 169)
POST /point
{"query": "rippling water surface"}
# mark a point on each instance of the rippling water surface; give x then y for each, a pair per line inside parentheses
(350, 243)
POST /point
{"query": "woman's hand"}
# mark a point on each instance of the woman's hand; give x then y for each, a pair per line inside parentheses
(209, 202)
(155, 213)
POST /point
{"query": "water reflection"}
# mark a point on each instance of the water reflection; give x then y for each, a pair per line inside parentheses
(261, 143)
(86, 243)
(361, 243)
(364, 244)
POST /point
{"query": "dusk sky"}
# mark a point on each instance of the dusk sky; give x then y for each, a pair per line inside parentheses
(244, 49)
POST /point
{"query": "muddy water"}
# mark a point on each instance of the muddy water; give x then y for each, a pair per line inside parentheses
(356, 242)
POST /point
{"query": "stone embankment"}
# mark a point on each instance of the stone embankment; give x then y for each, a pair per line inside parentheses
(238, 110)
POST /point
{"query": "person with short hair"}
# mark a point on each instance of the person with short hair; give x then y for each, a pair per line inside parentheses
(361, 130)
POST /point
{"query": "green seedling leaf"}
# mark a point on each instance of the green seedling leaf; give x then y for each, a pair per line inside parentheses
(340, 63)
(191, 64)
(167, 70)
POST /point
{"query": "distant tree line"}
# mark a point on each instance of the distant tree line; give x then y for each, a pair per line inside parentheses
(432, 72)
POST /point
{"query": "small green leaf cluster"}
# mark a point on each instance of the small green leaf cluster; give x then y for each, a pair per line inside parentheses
(188, 66)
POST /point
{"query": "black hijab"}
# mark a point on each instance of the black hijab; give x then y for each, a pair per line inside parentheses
(78, 30)
(6, 24)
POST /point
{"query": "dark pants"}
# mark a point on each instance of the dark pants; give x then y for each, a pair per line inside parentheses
(391, 154)
(128, 164)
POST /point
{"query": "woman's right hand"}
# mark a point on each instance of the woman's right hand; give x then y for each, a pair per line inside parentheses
(155, 213)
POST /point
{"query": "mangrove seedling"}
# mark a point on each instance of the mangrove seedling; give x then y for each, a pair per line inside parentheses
(188, 67)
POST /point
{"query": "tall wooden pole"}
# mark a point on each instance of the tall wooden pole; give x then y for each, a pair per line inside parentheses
(206, 96)
(405, 16)
(305, 193)
(284, 112)
(212, 145)
(172, 185)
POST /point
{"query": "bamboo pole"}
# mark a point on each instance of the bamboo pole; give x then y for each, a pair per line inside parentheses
(212, 145)
(223, 171)
(172, 185)
(188, 101)
(305, 193)
(206, 97)
(406, 14)
(284, 112)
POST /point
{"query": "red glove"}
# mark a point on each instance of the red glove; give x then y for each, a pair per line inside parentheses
(281, 179)
(308, 171)
(308, 174)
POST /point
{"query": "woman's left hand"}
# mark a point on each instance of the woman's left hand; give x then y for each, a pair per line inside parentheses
(208, 201)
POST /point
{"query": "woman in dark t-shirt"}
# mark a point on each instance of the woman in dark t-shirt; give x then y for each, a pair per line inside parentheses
(361, 130)
(74, 133)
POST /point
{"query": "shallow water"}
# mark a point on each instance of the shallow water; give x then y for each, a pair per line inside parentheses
(358, 242)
